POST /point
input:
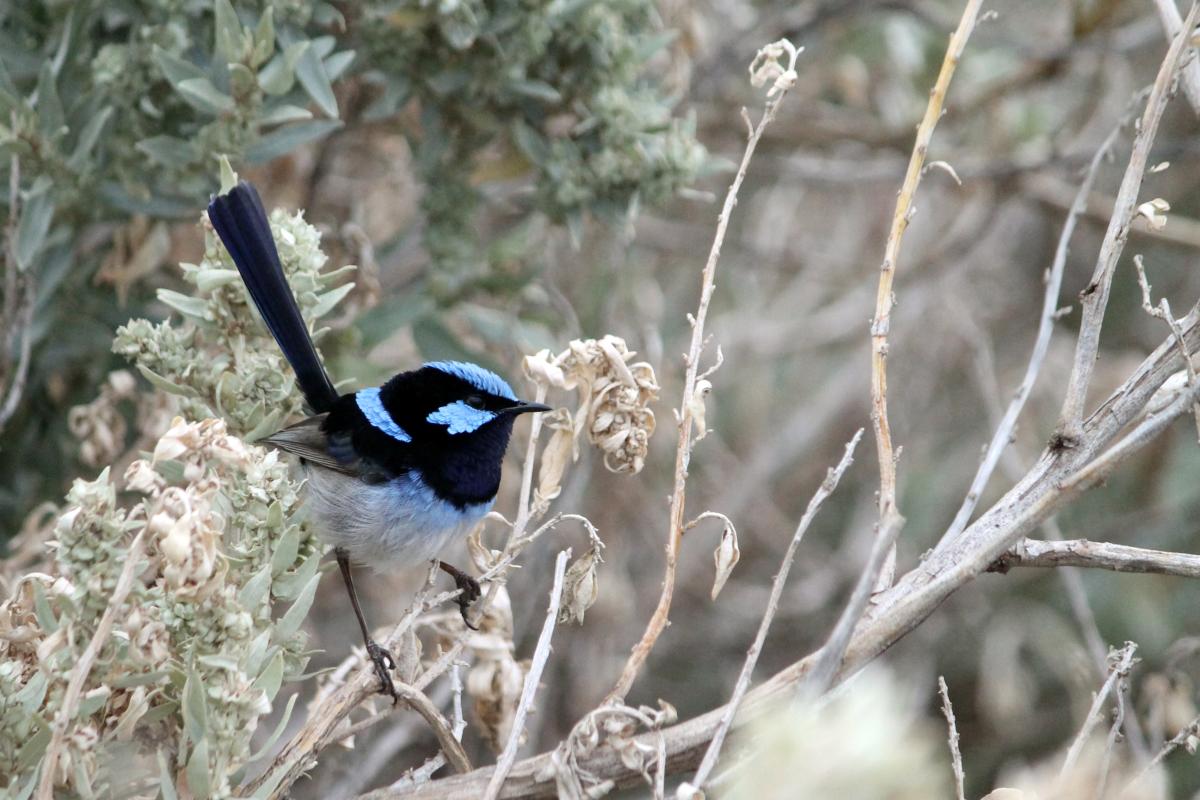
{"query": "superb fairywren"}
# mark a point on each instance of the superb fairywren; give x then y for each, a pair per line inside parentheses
(395, 472)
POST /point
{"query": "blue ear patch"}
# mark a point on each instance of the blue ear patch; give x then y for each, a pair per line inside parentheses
(482, 379)
(458, 417)
(372, 408)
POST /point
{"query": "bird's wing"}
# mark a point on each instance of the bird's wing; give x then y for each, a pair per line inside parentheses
(307, 440)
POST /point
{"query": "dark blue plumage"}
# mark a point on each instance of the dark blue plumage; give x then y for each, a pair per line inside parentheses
(239, 219)
(395, 472)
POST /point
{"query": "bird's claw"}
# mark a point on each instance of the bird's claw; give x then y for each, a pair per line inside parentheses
(468, 592)
(384, 664)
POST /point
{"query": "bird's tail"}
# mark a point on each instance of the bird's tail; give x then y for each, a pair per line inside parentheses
(239, 219)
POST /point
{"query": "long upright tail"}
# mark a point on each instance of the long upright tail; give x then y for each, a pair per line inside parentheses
(239, 219)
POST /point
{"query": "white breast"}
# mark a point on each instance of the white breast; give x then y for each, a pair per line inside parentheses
(382, 524)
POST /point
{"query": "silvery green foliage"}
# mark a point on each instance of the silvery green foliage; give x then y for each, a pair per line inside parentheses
(221, 361)
(561, 87)
(195, 658)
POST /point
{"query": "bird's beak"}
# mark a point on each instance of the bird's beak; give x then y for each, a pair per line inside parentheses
(525, 408)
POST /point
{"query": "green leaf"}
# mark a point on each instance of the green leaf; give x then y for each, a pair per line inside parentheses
(88, 138)
(256, 655)
(310, 71)
(338, 63)
(531, 143)
(210, 279)
(327, 300)
(291, 621)
(284, 113)
(197, 771)
(267, 425)
(275, 734)
(537, 90)
(33, 227)
(194, 307)
(285, 550)
(289, 585)
(92, 702)
(165, 784)
(195, 710)
(31, 695)
(218, 661)
(288, 138)
(168, 150)
(165, 384)
(140, 679)
(271, 678)
(255, 591)
(42, 611)
(279, 74)
(174, 68)
(229, 178)
(34, 748)
(49, 107)
(391, 315)
(201, 94)
(264, 37)
(229, 38)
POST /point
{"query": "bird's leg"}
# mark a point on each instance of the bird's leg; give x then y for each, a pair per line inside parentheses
(380, 657)
(468, 587)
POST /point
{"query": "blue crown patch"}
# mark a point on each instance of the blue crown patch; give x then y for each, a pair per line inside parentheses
(482, 379)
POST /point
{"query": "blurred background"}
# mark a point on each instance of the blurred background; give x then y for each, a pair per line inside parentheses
(510, 175)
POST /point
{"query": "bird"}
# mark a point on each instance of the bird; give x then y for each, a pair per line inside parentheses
(394, 473)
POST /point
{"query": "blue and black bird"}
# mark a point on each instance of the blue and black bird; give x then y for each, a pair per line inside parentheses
(395, 472)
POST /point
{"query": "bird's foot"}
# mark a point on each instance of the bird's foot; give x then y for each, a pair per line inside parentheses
(468, 590)
(384, 664)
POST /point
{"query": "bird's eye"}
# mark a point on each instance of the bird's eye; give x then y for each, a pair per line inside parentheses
(474, 401)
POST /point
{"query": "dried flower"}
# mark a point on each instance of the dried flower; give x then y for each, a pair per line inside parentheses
(614, 398)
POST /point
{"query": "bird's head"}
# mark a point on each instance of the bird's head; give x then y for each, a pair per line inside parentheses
(452, 401)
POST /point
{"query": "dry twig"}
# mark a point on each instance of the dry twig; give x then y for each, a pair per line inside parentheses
(687, 404)
(1094, 296)
(832, 478)
(952, 738)
(1098, 555)
(1121, 662)
(1041, 345)
(540, 655)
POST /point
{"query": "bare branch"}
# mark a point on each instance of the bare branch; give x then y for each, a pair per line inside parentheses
(1041, 345)
(1121, 662)
(1098, 555)
(952, 738)
(541, 654)
(685, 412)
(885, 298)
(1095, 295)
(829, 659)
(832, 478)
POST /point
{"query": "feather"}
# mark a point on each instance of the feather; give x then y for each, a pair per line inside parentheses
(307, 440)
(239, 219)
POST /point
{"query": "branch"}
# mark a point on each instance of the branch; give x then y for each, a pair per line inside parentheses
(885, 298)
(687, 405)
(1121, 662)
(540, 655)
(1095, 295)
(1098, 555)
(832, 478)
(1190, 75)
(1041, 345)
(952, 739)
